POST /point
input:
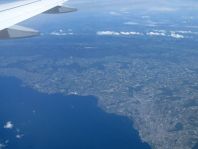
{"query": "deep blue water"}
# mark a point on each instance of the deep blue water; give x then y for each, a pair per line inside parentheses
(60, 122)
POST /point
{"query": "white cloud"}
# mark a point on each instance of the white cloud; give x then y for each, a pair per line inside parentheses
(34, 111)
(73, 93)
(184, 32)
(2, 145)
(89, 47)
(114, 13)
(177, 36)
(156, 34)
(113, 33)
(62, 33)
(58, 34)
(107, 33)
(130, 33)
(6, 141)
(131, 23)
(19, 136)
(70, 33)
(9, 125)
(172, 34)
(161, 31)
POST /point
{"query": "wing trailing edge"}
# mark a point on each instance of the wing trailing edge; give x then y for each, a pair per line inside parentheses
(18, 32)
(60, 9)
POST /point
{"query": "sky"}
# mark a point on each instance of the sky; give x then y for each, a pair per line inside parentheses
(141, 5)
(146, 6)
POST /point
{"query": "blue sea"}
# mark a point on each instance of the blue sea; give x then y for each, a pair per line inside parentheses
(42, 121)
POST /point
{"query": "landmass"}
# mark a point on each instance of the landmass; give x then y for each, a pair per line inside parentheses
(158, 92)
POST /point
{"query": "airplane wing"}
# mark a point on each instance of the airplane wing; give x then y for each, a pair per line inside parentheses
(15, 12)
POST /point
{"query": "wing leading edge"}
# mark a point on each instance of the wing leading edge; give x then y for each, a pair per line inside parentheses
(16, 12)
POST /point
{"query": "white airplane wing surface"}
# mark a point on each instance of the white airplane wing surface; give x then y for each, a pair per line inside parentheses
(15, 12)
